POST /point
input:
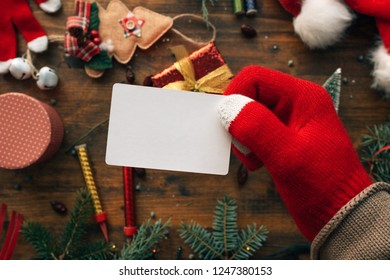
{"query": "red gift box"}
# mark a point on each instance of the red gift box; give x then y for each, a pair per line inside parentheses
(203, 70)
(30, 131)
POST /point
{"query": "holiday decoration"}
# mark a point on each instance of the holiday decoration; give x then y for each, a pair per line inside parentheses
(73, 242)
(321, 24)
(376, 151)
(17, 13)
(12, 234)
(47, 78)
(129, 229)
(204, 70)
(333, 87)
(96, 34)
(142, 246)
(100, 216)
(225, 242)
(20, 69)
(31, 131)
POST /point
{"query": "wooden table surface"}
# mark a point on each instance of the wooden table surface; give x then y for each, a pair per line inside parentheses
(83, 102)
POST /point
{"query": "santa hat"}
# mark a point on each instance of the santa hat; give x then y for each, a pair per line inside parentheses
(322, 23)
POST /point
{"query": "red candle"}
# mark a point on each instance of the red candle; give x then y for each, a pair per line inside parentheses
(129, 229)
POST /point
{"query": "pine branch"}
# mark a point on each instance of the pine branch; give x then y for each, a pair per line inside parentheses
(201, 241)
(225, 242)
(225, 225)
(73, 242)
(250, 240)
(73, 236)
(376, 151)
(41, 239)
(97, 251)
(148, 235)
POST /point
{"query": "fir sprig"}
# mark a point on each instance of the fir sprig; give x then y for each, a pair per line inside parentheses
(225, 241)
(73, 243)
(376, 151)
(141, 246)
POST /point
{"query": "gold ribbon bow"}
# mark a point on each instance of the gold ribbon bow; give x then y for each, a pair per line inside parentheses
(215, 82)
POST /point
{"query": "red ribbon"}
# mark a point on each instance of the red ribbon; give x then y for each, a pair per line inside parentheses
(76, 43)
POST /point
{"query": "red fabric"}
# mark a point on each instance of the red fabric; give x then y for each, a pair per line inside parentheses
(291, 6)
(16, 13)
(384, 32)
(292, 127)
(380, 10)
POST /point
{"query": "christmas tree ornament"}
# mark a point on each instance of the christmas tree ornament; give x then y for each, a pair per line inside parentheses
(128, 190)
(47, 78)
(20, 69)
(204, 70)
(100, 215)
(31, 131)
(333, 87)
(321, 24)
(226, 241)
(17, 13)
(12, 234)
(115, 32)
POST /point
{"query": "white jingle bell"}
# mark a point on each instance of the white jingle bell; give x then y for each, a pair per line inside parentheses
(20, 68)
(47, 78)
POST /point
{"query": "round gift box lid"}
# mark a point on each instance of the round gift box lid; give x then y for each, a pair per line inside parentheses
(26, 130)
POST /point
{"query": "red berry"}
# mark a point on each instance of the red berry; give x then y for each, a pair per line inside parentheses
(96, 41)
(94, 33)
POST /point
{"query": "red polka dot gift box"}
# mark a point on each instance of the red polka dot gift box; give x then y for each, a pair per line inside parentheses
(30, 131)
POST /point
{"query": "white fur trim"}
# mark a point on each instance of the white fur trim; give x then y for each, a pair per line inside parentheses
(381, 73)
(4, 66)
(39, 44)
(322, 23)
(230, 107)
(51, 6)
(228, 110)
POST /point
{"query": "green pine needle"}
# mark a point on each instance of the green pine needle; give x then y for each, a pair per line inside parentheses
(41, 239)
(379, 163)
(225, 241)
(73, 243)
(148, 235)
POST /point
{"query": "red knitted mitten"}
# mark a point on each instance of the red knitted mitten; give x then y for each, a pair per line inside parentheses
(291, 126)
(17, 13)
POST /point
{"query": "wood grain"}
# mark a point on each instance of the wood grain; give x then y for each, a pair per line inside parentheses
(83, 102)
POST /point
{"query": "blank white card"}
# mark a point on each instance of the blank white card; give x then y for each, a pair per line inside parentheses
(167, 129)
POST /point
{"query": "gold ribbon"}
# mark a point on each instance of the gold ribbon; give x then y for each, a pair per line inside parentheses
(215, 81)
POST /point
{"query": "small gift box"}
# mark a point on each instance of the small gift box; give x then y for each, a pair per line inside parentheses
(30, 131)
(204, 70)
